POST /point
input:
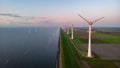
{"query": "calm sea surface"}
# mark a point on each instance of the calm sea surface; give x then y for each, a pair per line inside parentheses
(28, 47)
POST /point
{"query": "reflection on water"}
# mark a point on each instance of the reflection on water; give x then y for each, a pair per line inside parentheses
(28, 47)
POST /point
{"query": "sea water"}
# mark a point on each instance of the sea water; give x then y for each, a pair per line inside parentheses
(28, 47)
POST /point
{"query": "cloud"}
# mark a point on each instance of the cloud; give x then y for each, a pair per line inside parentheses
(18, 20)
(11, 15)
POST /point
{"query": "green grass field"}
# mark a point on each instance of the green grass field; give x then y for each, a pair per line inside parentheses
(71, 58)
(101, 38)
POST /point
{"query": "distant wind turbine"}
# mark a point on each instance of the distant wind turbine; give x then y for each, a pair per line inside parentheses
(67, 30)
(89, 40)
(72, 32)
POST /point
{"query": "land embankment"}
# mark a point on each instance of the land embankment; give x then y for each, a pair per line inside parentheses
(72, 56)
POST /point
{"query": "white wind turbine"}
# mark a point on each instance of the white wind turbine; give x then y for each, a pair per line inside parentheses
(67, 30)
(89, 40)
(72, 32)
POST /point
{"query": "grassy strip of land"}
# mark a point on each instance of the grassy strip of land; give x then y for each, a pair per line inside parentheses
(68, 56)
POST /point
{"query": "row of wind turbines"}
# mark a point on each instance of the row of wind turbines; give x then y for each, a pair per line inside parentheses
(90, 23)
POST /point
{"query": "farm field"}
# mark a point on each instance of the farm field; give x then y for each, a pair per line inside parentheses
(106, 51)
(72, 58)
(105, 43)
(97, 38)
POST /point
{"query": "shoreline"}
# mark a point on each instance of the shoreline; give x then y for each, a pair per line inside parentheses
(58, 56)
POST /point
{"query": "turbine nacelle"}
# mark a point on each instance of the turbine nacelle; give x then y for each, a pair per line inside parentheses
(90, 23)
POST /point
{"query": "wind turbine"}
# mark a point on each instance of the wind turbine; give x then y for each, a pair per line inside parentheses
(67, 30)
(72, 32)
(89, 40)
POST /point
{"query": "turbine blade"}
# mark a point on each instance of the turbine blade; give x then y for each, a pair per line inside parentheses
(84, 18)
(98, 19)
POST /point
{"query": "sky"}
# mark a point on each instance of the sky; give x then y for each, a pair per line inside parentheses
(59, 12)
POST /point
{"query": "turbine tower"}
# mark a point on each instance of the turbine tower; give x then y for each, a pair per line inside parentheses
(72, 32)
(90, 27)
(67, 30)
